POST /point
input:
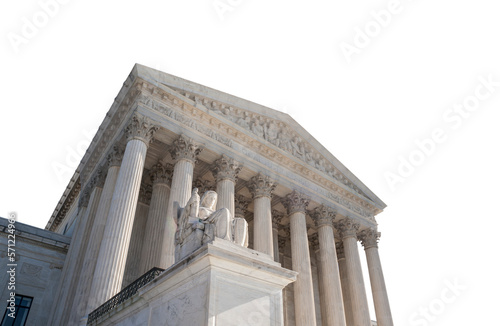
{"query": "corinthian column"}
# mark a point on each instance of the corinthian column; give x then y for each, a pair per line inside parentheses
(71, 269)
(331, 289)
(133, 267)
(225, 171)
(261, 187)
(112, 258)
(348, 228)
(161, 175)
(296, 205)
(369, 239)
(79, 306)
(240, 208)
(184, 152)
(346, 294)
(277, 216)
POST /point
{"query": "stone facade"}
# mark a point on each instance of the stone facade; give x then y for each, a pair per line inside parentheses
(280, 193)
(40, 256)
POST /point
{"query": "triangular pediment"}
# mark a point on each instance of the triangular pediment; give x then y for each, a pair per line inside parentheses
(277, 129)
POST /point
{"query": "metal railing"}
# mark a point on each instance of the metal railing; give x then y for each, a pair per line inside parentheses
(124, 294)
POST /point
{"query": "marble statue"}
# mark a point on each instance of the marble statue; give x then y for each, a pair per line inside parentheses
(199, 222)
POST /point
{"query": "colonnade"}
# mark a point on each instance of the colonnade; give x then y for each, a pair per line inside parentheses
(117, 212)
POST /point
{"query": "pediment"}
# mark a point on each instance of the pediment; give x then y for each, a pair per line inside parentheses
(274, 128)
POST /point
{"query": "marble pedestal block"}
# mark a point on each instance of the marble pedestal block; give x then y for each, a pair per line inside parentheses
(219, 284)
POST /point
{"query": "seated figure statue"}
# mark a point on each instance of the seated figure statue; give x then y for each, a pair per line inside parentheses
(199, 222)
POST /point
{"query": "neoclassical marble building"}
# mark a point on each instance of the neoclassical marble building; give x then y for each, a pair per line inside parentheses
(306, 212)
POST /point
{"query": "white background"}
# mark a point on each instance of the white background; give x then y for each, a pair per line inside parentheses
(441, 223)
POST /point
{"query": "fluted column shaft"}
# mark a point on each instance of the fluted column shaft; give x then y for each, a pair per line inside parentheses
(305, 314)
(158, 211)
(361, 314)
(182, 181)
(89, 216)
(241, 237)
(155, 228)
(262, 226)
(225, 195)
(346, 294)
(112, 257)
(301, 263)
(137, 241)
(369, 240)
(75, 251)
(276, 249)
(319, 268)
(79, 306)
(261, 187)
(184, 152)
(276, 217)
(110, 265)
(331, 290)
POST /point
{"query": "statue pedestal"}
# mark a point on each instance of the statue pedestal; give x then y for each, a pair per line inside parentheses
(219, 284)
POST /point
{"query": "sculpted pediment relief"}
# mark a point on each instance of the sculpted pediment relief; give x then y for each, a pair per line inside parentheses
(276, 132)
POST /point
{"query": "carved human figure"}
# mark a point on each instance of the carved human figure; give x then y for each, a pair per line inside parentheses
(244, 121)
(272, 132)
(201, 214)
(256, 127)
(297, 147)
(217, 222)
(285, 139)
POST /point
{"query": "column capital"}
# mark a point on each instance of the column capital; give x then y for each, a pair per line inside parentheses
(226, 168)
(161, 173)
(347, 227)
(115, 156)
(295, 202)
(369, 238)
(185, 148)
(240, 205)
(145, 194)
(323, 216)
(142, 128)
(261, 186)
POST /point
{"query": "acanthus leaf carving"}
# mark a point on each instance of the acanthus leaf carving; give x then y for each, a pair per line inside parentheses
(261, 185)
(161, 173)
(185, 148)
(369, 238)
(226, 168)
(141, 128)
(295, 202)
(323, 215)
(347, 227)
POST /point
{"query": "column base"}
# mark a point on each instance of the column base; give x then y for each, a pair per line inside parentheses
(219, 284)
